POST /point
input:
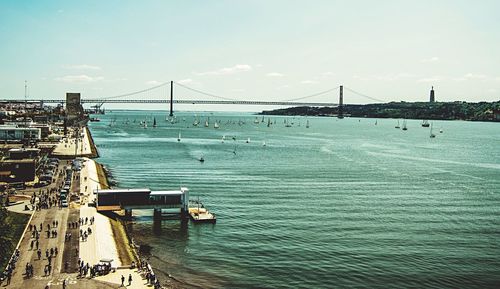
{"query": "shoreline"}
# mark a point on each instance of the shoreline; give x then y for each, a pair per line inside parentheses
(122, 235)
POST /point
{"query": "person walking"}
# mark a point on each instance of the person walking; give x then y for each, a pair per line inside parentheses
(129, 279)
(123, 280)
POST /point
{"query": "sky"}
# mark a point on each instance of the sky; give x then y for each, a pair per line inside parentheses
(252, 50)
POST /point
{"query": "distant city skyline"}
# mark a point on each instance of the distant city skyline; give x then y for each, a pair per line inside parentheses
(252, 50)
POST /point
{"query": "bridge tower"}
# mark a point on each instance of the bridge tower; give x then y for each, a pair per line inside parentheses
(341, 102)
(171, 98)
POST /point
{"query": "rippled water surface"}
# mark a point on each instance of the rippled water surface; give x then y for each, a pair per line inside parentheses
(344, 203)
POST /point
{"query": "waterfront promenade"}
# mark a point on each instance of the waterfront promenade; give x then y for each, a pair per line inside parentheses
(52, 244)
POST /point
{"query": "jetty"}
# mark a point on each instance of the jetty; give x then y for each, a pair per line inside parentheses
(199, 214)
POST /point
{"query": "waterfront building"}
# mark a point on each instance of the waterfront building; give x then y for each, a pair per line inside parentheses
(19, 134)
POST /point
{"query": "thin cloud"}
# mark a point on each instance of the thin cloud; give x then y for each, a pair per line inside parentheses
(275, 74)
(327, 73)
(153, 82)
(431, 59)
(227, 70)
(430, 79)
(309, 81)
(82, 67)
(471, 76)
(185, 81)
(79, 78)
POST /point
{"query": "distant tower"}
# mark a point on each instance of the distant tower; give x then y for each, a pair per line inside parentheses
(432, 99)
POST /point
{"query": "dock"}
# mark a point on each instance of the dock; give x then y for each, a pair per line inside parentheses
(199, 214)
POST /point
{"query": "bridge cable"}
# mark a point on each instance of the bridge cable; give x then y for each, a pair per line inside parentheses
(311, 95)
(131, 93)
(206, 93)
(364, 95)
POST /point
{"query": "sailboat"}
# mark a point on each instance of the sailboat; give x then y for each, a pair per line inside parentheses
(375, 122)
(268, 122)
(397, 126)
(145, 124)
(441, 130)
(179, 137)
(262, 119)
(201, 159)
(431, 135)
(207, 122)
(223, 138)
(404, 125)
(154, 122)
(248, 140)
(256, 120)
(307, 124)
(264, 143)
(425, 123)
(216, 124)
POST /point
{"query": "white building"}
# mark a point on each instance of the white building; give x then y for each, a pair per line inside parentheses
(11, 133)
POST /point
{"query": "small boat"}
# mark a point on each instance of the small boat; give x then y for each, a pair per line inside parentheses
(287, 124)
(206, 122)
(248, 140)
(262, 119)
(223, 138)
(440, 130)
(144, 125)
(201, 159)
(268, 122)
(256, 120)
(375, 122)
(397, 125)
(154, 122)
(264, 143)
(307, 124)
(179, 137)
(216, 124)
(425, 123)
(404, 125)
(94, 119)
(431, 135)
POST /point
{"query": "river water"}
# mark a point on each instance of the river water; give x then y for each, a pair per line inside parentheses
(343, 203)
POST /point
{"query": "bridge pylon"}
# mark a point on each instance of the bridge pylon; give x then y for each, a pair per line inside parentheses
(171, 98)
(341, 102)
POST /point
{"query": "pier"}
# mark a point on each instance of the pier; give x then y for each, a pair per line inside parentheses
(145, 199)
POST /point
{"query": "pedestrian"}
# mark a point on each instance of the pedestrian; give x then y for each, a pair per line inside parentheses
(64, 284)
(129, 279)
(123, 280)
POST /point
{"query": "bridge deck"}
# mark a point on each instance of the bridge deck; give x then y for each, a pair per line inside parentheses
(180, 101)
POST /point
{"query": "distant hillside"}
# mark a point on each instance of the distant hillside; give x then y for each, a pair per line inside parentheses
(481, 111)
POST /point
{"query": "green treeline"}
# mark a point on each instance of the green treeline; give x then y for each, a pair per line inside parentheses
(481, 111)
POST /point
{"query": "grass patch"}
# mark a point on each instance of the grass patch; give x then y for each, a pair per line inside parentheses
(17, 223)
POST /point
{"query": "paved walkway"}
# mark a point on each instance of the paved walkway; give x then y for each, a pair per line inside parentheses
(115, 278)
(100, 244)
(71, 146)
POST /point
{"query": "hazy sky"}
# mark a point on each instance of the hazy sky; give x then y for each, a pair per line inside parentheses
(265, 50)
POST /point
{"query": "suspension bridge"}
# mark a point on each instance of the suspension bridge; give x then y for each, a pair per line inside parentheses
(159, 95)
